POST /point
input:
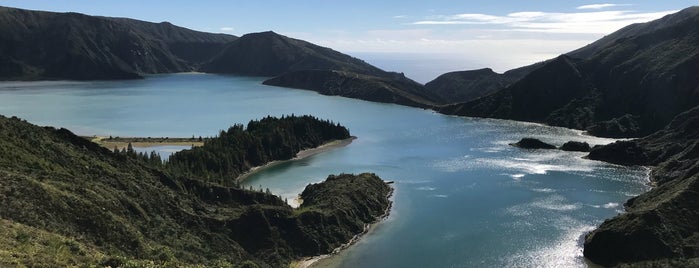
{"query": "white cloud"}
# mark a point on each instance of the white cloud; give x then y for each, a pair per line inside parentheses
(473, 40)
(227, 29)
(597, 22)
(400, 17)
(495, 52)
(601, 6)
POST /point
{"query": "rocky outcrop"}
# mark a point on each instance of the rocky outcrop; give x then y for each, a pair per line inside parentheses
(332, 211)
(576, 146)
(660, 227)
(532, 143)
(620, 152)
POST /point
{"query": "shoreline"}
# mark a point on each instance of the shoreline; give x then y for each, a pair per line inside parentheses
(308, 262)
(300, 155)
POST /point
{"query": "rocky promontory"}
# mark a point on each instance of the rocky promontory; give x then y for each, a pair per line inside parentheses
(532, 143)
(575, 146)
(384, 87)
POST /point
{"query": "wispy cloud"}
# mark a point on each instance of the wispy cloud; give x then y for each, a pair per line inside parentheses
(601, 6)
(227, 29)
(597, 22)
(400, 17)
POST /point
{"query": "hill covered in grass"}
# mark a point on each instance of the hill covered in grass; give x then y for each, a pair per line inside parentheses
(67, 201)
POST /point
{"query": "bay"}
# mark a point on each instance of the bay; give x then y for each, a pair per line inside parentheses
(463, 197)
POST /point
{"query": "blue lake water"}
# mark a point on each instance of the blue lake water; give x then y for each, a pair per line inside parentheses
(464, 198)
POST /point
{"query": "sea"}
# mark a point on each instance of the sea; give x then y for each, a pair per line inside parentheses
(463, 196)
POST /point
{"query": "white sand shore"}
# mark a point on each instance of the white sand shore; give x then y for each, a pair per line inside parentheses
(300, 155)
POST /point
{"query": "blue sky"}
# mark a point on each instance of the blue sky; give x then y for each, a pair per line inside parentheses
(497, 34)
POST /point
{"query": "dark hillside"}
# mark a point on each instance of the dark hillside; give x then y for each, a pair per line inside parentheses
(660, 227)
(464, 86)
(627, 87)
(300, 64)
(48, 45)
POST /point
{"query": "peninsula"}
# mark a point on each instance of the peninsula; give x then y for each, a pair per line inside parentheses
(67, 201)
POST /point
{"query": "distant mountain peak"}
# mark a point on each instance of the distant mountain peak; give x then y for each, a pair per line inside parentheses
(270, 54)
(265, 33)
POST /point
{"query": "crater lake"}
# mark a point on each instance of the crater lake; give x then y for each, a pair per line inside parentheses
(463, 197)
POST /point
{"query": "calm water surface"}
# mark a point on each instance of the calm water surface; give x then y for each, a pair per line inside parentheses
(463, 198)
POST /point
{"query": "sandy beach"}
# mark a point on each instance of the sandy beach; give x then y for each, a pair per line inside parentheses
(300, 155)
(122, 143)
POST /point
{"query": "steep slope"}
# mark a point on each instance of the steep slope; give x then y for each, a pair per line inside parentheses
(76, 203)
(47, 45)
(660, 227)
(464, 86)
(548, 87)
(633, 30)
(630, 86)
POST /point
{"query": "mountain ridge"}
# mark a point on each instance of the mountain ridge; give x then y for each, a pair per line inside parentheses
(295, 63)
(634, 85)
(75, 46)
(40, 45)
(271, 54)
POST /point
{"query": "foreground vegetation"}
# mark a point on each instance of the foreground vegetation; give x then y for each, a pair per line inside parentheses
(66, 201)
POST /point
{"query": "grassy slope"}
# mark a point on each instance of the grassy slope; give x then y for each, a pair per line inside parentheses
(65, 200)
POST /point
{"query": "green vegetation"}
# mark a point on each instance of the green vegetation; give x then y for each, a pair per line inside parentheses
(66, 201)
(235, 151)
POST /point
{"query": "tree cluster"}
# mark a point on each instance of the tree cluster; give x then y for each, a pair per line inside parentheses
(151, 158)
(235, 151)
